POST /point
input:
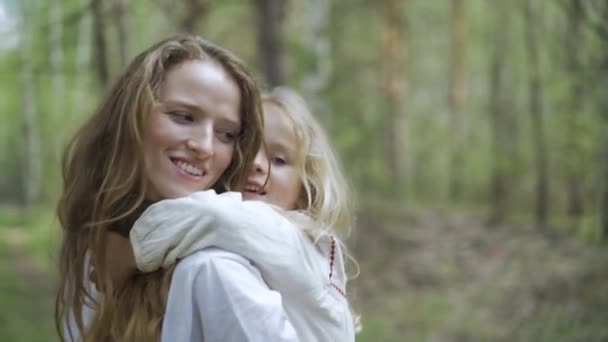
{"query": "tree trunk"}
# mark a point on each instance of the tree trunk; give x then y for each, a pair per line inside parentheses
(82, 60)
(603, 109)
(270, 40)
(393, 84)
(536, 113)
(573, 177)
(604, 190)
(121, 21)
(316, 39)
(100, 45)
(56, 58)
(186, 18)
(602, 32)
(57, 100)
(31, 157)
(194, 13)
(456, 98)
(500, 176)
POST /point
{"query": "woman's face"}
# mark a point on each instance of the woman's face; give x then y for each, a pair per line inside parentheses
(283, 187)
(189, 137)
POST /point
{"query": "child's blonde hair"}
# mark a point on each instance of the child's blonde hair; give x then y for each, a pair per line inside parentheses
(326, 194)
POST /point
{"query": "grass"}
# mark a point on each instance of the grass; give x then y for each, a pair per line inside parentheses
(425, 277)
(26, 285)
(26, 303)
(11, 216)
(443, 277)
(40, 230)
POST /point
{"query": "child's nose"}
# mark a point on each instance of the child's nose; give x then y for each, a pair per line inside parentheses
(260, 163)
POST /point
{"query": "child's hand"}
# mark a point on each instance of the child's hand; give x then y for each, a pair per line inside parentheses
(119, 260)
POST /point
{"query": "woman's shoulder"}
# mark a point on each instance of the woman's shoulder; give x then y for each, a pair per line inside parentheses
(224, 293)
(204, 272)
(208, 257)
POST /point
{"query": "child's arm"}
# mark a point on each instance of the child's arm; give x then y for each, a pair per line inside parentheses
(171, 229)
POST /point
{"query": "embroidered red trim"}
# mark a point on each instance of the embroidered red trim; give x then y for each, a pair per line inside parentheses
(332, 257)
(340, 291)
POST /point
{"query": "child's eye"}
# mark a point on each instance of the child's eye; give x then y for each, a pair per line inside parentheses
(181, 117)
(278, 160)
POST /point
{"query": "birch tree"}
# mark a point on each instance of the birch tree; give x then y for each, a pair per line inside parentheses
(393, 80)
(536, 113)
(121, 15)
(30, 132)
(499, 192)
(99, 43)
(574, 38)
(316, 40)
(456, 98)
(270, 40)
(56, 58)
(82, 60)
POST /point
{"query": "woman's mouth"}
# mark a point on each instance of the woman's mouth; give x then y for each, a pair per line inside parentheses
(188, 168)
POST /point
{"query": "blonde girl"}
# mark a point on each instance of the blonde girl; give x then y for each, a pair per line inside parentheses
(185, 116)
(288, 230)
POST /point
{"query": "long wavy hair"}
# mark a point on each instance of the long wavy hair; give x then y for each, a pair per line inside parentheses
(104, 188)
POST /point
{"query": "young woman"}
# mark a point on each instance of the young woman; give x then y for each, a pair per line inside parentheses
(292, 242)
(185, 116)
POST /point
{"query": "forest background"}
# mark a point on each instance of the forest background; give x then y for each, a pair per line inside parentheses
(474, 133)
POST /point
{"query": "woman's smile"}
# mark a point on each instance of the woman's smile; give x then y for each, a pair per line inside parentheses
(189, 169)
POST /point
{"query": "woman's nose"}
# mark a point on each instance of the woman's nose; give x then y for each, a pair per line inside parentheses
(201, 143)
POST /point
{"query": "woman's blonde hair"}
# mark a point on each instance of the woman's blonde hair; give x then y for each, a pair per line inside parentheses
(326, 195)
(104, 187)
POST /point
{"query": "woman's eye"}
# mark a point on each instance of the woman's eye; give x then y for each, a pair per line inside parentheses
(181, 117)
(227, 136)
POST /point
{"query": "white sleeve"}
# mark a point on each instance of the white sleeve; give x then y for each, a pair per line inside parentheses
(221, 296)
(175, 228)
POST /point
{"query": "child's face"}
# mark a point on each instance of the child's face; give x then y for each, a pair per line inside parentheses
(284, 186)
(189, 136)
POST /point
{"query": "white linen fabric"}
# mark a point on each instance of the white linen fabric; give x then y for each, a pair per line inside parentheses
(208, 302)
(301, 261)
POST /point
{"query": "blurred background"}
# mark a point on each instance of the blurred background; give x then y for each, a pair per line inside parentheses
(474, 133)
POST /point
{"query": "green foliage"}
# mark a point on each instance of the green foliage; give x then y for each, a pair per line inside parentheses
(27, 287)
(357, 112)
(446, 277)
(12, 216)
(28, 304)
(356, 122)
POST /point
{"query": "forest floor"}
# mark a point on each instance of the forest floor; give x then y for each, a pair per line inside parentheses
(426, 275)
(27, 290)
